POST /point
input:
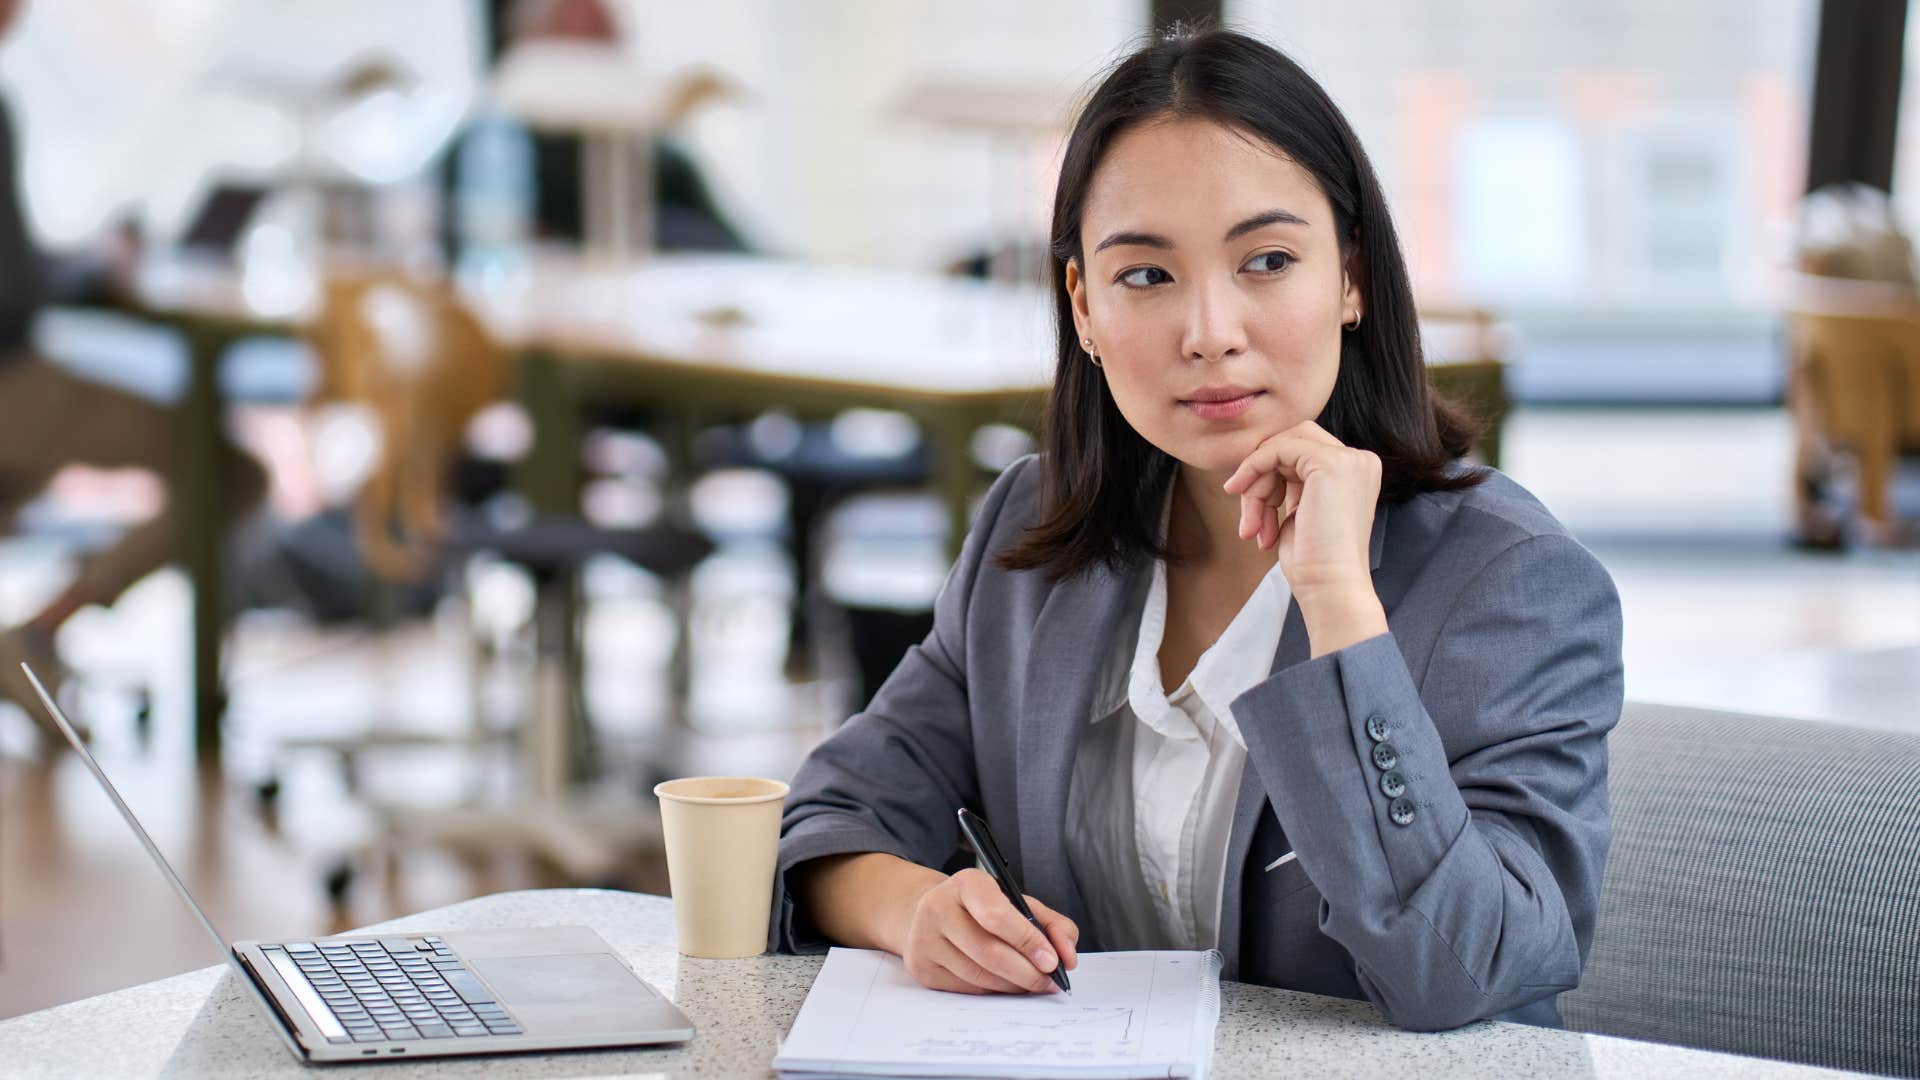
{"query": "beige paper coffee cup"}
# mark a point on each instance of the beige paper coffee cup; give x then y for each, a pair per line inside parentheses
(723, 833)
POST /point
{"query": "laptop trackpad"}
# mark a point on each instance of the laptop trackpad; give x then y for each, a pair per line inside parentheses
(589, 993)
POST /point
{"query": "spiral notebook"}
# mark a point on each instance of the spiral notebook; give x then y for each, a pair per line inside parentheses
(1131, 1014)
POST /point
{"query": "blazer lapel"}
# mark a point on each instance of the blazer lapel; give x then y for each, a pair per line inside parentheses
(1294, 648)
(1071, 639)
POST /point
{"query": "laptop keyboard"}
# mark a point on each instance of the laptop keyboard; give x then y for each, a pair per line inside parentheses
(397, 988)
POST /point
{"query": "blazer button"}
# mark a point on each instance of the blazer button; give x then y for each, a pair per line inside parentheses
(1377, 728)
(1401, 812)
(1383, 756)
(1393, 785)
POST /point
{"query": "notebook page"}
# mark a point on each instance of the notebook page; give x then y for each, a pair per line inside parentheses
(1131, 1014)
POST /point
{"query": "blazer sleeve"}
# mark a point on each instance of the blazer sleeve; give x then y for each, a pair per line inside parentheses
(1476, 891)
(889, 779)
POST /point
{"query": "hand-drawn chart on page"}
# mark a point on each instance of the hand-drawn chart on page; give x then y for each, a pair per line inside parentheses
(1111, 1017)
(1075, 1034)
(1130, 1014)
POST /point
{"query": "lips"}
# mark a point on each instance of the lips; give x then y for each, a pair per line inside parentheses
(1221, 402)
(1218, 393)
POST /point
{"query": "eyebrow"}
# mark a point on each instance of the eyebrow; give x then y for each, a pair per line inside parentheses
(1155, 240)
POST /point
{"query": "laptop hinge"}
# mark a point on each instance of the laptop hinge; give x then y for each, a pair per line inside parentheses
(273, 1002)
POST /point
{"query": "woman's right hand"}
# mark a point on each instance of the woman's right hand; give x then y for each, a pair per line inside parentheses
(964, 935)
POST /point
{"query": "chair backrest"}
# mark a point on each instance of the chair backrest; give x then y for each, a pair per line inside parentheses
(1856, 378)
(418, 359)
(1854, 358)
(1762, 892)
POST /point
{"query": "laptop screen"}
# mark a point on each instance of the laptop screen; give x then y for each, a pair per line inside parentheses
(179, 886)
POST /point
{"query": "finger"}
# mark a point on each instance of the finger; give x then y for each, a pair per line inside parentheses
(1281, 452)
(1008, 944)
(996, 915)
(1270, 528)
(953, 955)
(1264, 487)
(935, 976)
(1017, 973)
(1252, 512)
(968, 972)
(947, 981)
(1314, 432)
(1061, 931)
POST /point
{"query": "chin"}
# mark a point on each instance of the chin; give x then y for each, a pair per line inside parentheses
(1221, 453)
(1222, 450)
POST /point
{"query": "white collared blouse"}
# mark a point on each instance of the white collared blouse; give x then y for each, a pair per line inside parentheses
(1157, 774)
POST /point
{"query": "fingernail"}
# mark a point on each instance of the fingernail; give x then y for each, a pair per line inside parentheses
(1043, 960)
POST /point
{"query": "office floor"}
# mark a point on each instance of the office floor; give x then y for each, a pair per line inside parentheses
(1686, 508)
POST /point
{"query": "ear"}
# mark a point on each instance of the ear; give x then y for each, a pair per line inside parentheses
(1076, 283)
(1353, 279)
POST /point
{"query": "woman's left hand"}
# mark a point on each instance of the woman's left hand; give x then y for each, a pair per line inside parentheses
(1313, 496)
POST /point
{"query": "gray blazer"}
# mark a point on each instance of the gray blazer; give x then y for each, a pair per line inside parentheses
(1494, 691)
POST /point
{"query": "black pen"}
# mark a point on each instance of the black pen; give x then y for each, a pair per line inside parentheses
(980, 838)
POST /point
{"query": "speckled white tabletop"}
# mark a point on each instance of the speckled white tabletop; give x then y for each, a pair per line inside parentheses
(201, 1024)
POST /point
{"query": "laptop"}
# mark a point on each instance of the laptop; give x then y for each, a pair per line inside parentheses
(415, 995)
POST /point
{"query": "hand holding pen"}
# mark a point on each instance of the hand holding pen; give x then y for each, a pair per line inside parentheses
(980, 839)
(968, 936)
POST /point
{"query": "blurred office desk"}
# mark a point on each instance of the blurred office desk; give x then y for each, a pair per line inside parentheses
(202, 1024)
(718, 337)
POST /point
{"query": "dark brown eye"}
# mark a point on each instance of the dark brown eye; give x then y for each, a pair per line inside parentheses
(1141, 277)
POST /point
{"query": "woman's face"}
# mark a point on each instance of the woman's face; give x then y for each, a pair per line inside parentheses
(1213, 289)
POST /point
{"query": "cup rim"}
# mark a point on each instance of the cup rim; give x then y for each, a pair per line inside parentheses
(780, 791)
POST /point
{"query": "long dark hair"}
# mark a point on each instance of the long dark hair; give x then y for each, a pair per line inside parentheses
(1101, 482)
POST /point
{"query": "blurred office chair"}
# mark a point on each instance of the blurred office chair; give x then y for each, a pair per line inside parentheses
(421, 363)
(417, 358)
(1853, 389)
(1759, 893)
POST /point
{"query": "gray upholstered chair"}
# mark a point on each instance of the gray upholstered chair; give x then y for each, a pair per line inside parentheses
(1762, 895)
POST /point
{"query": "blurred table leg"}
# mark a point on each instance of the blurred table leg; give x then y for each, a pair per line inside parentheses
(198, 487)
(954, 474)
(551, 475)
(951, 428)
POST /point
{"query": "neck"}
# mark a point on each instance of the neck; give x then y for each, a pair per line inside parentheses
(1204, 526)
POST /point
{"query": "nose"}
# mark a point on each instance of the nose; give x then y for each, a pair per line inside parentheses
(1215, 329)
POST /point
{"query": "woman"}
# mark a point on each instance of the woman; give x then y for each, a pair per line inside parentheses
(1246, 658)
